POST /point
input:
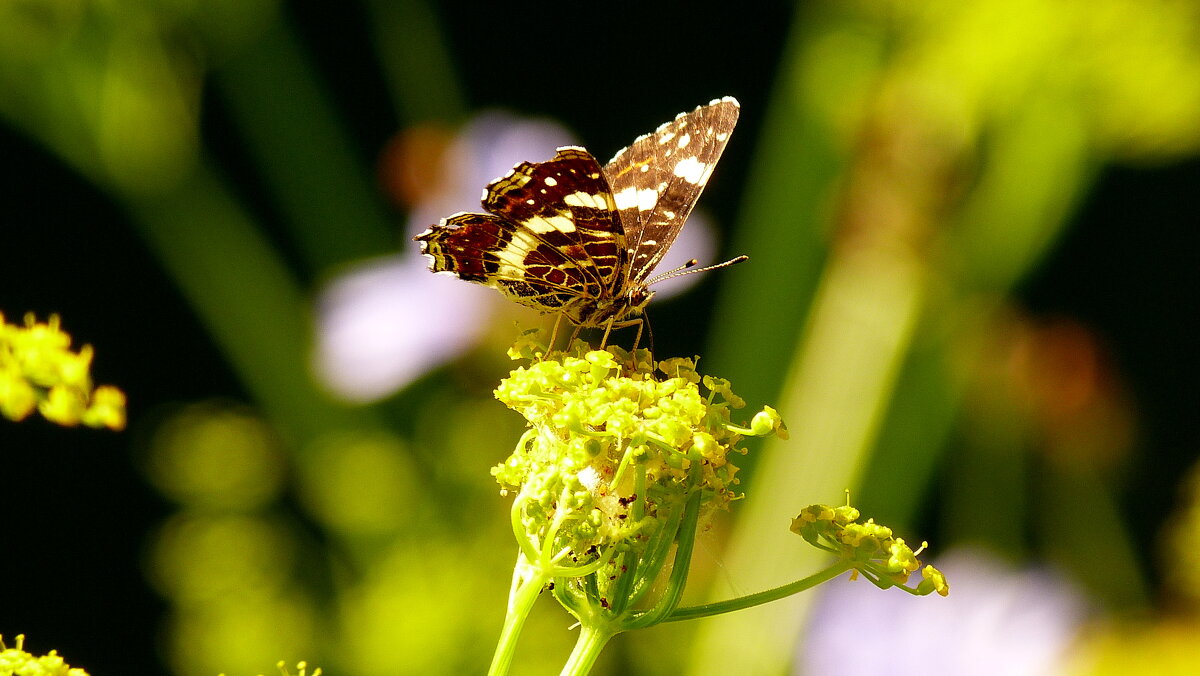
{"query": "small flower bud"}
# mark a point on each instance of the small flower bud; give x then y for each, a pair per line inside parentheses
(767, 421)
(933, 580)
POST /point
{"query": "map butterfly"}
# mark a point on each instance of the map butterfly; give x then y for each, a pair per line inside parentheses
(573, 237)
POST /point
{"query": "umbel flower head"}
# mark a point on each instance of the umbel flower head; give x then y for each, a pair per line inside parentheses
(617, 447)
(15, 660)
(38, 371)
(869, 548)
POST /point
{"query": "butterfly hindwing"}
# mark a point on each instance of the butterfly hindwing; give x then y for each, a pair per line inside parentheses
(487, 249)
(551, 240)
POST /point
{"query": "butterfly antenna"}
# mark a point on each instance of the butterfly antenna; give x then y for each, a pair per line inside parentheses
(690, 268)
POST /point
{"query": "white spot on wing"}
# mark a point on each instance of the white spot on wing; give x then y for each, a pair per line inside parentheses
(644, 199)
(541, 225)
(583, 199)
(551, 182)
(512, 256)
(693, 171)
(684, 140)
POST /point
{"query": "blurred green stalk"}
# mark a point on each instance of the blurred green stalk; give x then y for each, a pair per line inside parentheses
(871, 388)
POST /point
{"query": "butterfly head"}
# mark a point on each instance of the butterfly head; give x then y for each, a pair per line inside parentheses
(600, 311)
(636, 299)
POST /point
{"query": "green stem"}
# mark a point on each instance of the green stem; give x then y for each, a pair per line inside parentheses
(686, 537)
(292, 128)
(587, 648)
(527, 586)
(751, 600)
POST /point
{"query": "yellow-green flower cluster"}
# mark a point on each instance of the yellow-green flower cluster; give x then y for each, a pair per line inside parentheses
(16, 662)
(38, 371)
(871, 548)
(616, 442)
(301, 669)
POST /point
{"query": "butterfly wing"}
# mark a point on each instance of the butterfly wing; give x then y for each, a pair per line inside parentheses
(552, 239)
(657, 180)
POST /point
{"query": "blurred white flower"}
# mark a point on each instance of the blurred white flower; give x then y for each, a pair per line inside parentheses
(384, 322)
(996, 620)
(388, 320)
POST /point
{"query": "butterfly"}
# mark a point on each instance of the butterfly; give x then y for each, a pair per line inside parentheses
(572, 237)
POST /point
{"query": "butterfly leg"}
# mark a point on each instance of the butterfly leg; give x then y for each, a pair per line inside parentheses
(608, 327)
(554, 333)
(645, 321)
(574, 335)
(642, 322)
(637, 337)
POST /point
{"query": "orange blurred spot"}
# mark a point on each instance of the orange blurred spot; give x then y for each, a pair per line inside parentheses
(411, 164)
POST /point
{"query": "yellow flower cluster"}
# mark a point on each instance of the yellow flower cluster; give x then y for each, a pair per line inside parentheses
(38, 371)
(16, 661)
(871, 548)
(301, 670)
(617, 441)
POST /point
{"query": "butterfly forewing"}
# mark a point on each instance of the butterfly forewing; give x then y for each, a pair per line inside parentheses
(564, 204)
(657, 180)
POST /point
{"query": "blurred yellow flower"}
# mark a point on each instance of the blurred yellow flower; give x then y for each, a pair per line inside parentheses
(39, 371)
(15, 660)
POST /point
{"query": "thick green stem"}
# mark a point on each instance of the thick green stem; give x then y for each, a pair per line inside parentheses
(751, 600)
(686, 537)
(587, 648)
(527, 586)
